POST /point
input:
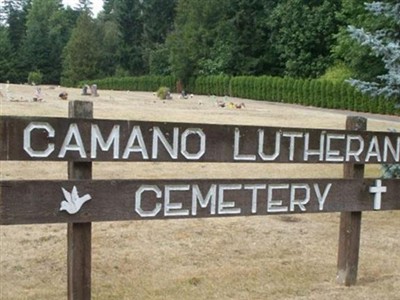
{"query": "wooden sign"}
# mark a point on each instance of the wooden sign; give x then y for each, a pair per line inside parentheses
(61, 139)
(79, 202)
(29, 202)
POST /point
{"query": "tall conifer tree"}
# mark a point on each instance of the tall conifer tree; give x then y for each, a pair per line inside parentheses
(82, 52)
(129, 19)
(45, 39)
(385, 44)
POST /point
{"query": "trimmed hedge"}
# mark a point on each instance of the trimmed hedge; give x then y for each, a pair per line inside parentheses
(142, 83)
(309, 92)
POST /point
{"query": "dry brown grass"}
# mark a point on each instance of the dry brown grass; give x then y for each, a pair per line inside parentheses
(277, 257)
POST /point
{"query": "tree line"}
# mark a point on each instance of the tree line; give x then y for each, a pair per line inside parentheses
(185, 39)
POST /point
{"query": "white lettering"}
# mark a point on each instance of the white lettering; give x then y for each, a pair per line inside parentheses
(354, 152)
(138, 200)
(261, 146)
(373, 150)
(254, 188)
(171, 149)
(174, 200)
(308, 152)
(27, 139)
(236, 155)
(98, 138)
(275, 205)
(136, 134)
(202, 149)
(322, 198)
(211, 197)
(387, 145)
(333, 155)
(174, 209)
(73, 132)
(292, 146)
(299, 202)
(227, 207)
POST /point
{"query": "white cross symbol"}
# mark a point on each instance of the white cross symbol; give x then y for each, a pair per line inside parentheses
(378, 189)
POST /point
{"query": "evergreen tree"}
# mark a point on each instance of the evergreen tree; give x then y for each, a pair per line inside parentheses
(45, 39)
(13, 15)
(5, 55)
(159, 61)
(128, 14)
(252, 50)
(110, 38)
(362, 63)
(82, 52)
(303, 35)
(85, 6)
(222, 37)
(385, 44)
(201, 41)
(108, 7)
(158, 20)
(110, 41)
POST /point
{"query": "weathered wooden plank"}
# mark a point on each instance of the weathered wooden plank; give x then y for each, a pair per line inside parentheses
(29, 202)
(350, 222)
(61, 139)
(79, 260)
(79, 235)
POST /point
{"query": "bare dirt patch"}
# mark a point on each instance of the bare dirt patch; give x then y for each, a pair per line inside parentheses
(225, 258)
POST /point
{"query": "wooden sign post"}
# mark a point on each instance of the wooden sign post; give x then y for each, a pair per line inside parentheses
(350, 222)
(79, 234)
(80, 140)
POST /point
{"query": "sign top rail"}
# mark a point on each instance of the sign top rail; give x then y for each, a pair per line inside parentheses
(71, 139)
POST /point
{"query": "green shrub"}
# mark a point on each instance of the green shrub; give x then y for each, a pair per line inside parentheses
(318, 98)
(299, 91)
(35, 77)
(337, 73)
(268, 88)
(333, 91)
(313, 91)
(306, 99)
(162, 92)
